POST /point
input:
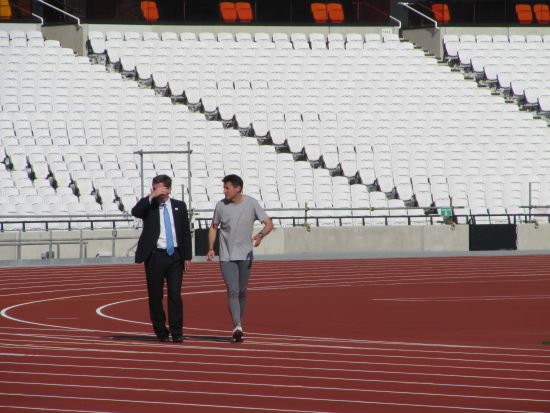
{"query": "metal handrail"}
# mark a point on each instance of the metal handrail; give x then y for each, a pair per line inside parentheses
(91, 217)
(39, 18)
(401, 3)
(396, 20)
(61, 11)
(306, 208)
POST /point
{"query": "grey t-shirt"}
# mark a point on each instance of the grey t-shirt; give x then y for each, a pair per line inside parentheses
(236, 221)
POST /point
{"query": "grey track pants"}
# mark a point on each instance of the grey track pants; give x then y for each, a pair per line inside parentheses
(235, 274)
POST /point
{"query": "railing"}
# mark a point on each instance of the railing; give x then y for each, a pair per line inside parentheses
(406, 5)
(81, 240)
(389, 220)
(197, 12)
(61, 11)
(295, 216)
(399, 24)
(309, 217)
(71, 221)
(39, 18)
(305, 217)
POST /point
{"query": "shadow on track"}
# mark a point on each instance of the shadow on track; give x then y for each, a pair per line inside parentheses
(154, 339)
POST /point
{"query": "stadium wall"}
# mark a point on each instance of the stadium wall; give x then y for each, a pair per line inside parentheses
(282, 241)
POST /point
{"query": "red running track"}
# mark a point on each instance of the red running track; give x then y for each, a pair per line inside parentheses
(378, 335)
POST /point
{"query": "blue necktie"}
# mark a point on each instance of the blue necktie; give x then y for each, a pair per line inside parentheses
(168, 231)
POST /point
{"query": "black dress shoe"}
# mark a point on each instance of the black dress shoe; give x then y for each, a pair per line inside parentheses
(164, 339)
(177, 339)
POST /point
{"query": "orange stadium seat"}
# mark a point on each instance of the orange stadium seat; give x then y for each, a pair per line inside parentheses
(441, 13)
(542, 13)
(244, 11)
(228, 12)
(524, 13)
(319, 11)
(150, 11)
(5, 10)
(335, 12)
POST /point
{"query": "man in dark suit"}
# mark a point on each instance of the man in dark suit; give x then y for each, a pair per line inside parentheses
(165, 248)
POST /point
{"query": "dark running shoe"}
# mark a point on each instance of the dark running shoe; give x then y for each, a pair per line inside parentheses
(238, 335)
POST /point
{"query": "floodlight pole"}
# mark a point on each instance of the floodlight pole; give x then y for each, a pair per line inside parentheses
(141, 152)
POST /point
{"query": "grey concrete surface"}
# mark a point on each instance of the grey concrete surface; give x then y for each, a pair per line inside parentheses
(296, 241)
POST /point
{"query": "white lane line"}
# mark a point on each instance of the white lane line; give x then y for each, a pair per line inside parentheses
(48, 409)
(280, 359)
(122, 284)
(224, 349)
(59, 339)
(99, 311)
(164, 371)
(470, 298)
(292, 342)
(263, 385)
(270, 367)
(4, 313)
(256, 396)
(6, 310)
(167, 403)
(299, 277)
(64, 291)
(351, 275)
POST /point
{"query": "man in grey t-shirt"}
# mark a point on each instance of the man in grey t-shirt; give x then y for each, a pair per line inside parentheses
(235, 216)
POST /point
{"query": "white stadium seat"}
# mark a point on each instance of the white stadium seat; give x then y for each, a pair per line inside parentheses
(353, 105)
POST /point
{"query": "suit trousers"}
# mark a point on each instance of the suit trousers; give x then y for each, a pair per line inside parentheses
(158, 267)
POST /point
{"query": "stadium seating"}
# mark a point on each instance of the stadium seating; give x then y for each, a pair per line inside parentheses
(228, 12)
(364, 121)
(517, 66)
(542, 13)
(236, 11)
(319, 12)
(150, 11)
(5, 10)
(284, 95)
(524, 13)
(244, 11)
(335, 12)
(327, 12)
(441, 13)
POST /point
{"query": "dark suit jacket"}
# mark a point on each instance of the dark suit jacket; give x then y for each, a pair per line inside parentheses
(149, 213)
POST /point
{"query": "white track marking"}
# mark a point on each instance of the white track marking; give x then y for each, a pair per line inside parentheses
(260, 385)
(261, 343)
(469, 298)
(231, 372)
(305, 341)
(294, 359)
(166, 403)
(279, 367)
(259, 396)
(47, 409)
(276, 352)
(5, 314)
(265, 278)
(59, 339)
